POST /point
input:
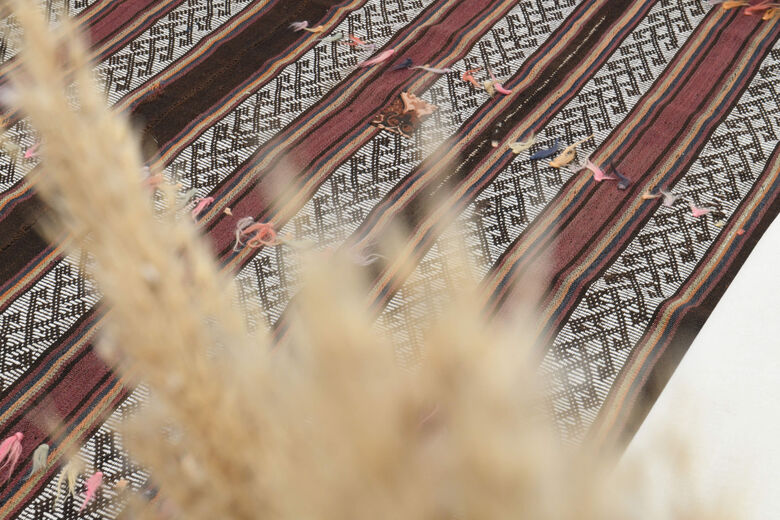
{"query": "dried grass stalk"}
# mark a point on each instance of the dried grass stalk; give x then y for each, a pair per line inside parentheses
(325, 428)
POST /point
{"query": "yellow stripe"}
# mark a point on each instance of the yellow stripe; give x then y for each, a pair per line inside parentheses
(22, 283)
(11, 194)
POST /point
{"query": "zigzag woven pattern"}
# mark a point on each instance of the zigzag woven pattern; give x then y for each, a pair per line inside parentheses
(671, 94)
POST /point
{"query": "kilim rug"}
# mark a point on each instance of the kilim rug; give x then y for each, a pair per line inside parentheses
(676, 103)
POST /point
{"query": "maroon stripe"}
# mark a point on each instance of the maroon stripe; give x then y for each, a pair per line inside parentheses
(338, 130)
(111, 20)
(60, 406)
(60, 401)
(690, 321)
(602, 205)
(257, 45)
(14, 392)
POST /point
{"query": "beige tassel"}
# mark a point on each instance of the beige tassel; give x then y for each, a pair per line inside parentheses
(70, 473)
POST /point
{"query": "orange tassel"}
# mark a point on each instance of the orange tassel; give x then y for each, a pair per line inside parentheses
(264, 235)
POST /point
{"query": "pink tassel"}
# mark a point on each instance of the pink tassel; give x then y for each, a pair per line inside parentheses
(468, 76)
(699, 212)
(299, 26)
(379, 58)
(32, 151)
(598, 173)
(93, 483)
(498, 86)
(354, 41)
(202, 204)
(10, 451)
(500, 89)
(264, 234)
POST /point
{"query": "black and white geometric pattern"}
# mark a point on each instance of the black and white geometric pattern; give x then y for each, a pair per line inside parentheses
(616, 309)
(39, 317)
(217, 152)
(103, 452)
(167, 40)
(55, 10)
(149, 53)
(356, 186)
(520, 192)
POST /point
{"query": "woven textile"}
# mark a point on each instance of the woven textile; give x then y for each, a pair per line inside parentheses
(672, 94)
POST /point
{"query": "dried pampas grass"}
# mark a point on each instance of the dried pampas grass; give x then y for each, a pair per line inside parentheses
(325, 427)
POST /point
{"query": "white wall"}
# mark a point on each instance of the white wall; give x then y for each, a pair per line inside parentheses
(724, 398)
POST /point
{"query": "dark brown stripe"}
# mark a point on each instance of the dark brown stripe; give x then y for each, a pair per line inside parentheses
(203, 86)
(20, 241)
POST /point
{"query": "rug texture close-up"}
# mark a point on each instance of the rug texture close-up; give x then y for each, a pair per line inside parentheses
(613, 161)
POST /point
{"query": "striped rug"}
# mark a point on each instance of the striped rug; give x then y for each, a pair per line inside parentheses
(672, 94)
